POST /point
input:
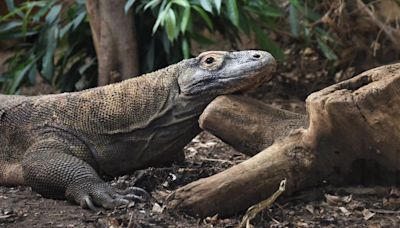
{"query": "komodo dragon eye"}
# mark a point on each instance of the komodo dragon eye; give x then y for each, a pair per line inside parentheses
(209, 60)
(212, 61)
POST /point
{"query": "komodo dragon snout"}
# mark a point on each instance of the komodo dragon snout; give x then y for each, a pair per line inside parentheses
(62, 144)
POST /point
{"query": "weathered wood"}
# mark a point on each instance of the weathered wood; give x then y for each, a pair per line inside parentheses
(353, 137)
(248, 125)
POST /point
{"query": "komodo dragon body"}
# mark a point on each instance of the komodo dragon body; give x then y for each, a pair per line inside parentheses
(61, 144)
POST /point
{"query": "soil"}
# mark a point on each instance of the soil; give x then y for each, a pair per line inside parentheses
(206, 155)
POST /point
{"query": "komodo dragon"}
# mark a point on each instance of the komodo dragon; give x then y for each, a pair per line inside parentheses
(61, 144)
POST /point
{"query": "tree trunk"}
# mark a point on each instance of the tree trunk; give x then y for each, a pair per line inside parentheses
(114, 38)
(353, 138)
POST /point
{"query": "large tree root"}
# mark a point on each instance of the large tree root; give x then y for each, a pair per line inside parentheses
(353, 137)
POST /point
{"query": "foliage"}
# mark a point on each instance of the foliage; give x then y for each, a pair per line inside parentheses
(174, 24)
(56, 43)
(58, 46)
(303, 22)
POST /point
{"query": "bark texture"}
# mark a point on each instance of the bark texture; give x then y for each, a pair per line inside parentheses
(251, 130)
(353, 137)
(114, 38)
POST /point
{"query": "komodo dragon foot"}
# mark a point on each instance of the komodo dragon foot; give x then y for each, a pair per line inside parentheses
(51, 170)
(87, 195)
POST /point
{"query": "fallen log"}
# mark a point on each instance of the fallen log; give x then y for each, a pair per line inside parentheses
(242, 122)
(353, 137)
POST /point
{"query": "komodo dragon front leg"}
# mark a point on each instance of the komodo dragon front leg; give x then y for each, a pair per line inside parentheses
(51, 170)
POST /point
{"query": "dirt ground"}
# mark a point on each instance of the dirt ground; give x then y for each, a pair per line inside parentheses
(206, 155)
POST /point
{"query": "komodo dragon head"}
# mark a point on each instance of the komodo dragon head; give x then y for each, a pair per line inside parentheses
(220, 72)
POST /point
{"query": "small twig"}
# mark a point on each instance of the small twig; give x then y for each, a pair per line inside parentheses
(218, 160)
(130, 223)
(257, 208)
(381, 211)
(274, 220)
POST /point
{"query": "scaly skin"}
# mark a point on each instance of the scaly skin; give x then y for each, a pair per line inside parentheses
(61, 144)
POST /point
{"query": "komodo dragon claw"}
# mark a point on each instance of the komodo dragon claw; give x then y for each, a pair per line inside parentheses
(135, 193)
(105, 196)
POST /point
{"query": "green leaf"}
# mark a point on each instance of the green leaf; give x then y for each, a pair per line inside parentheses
(43, 10)
(185, 19)
(16, 34)
(296, 3)
(328, 53)
(183, 3)
(82, 69)
(293, 21)
(53, 14)
(78, 20)
(170, 24)
(25, 21)
(128, 5)
(152, 4)
(232, 10)
(64, 30)
(185, 48)
(10, 5)
(307, 12)
(206, 5)
(48, 59)
(20, 76)
(204, 15)
(217, 4)
(159, 21)
(8, 26)
(265, 11)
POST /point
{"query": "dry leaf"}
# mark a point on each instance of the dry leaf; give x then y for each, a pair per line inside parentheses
(345, 211)
(301, 224)
(337, 200)
(157, 208)
(310, 208)
(211, 220)
(367, 214)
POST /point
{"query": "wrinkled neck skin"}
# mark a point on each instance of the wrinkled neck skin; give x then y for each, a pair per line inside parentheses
(170, 125)
(170, 106)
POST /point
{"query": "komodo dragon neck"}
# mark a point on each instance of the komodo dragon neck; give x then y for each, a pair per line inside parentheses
(138, 103)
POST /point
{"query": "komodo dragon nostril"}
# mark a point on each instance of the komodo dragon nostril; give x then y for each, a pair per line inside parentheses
(257, 56)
